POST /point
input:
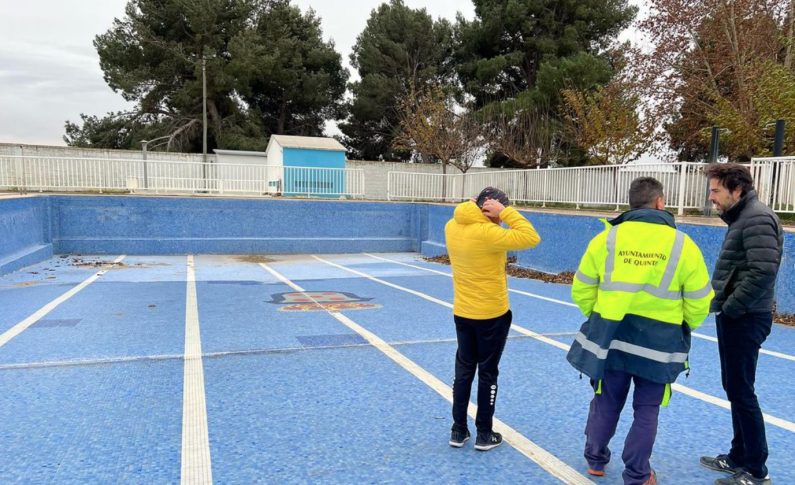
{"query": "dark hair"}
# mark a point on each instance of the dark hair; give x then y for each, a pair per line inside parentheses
(493, 194)
(644, 191)
(731, 176)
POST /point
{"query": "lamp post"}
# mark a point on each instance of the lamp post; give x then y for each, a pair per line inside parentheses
(778, 141)
(712, 158)
(204, 116)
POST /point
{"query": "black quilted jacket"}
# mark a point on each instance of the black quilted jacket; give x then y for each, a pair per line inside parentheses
(745, 274)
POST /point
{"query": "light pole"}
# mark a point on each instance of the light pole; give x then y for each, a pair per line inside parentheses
(778, 141)
(204, 117)
(204, 109)
(712, 158)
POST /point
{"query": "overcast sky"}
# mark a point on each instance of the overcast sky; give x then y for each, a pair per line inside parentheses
(49, 70)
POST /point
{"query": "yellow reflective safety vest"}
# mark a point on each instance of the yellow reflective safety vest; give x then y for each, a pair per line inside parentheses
(478, 253)
(644, 287)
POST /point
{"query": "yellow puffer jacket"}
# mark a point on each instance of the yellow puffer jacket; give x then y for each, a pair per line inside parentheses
(478, 253)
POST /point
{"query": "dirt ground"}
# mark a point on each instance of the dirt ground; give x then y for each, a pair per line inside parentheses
(567, 277)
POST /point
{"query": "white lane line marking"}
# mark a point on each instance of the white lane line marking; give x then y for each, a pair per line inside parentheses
(531, 295)
(561, 302)
(24, 324)
(196, 462)
(387, 283)
(549, 462)
(781, 423)
(762, 351)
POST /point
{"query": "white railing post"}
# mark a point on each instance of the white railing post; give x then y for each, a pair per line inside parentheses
(544, 193)
(579, 187)
(22, 176)
(682, 180)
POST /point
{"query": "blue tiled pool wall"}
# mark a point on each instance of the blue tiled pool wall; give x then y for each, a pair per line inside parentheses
(162, 226)
(564, 239)
(31, 229)
(25, 236)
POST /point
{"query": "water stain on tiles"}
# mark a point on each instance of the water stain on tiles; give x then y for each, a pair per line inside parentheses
(253, 258)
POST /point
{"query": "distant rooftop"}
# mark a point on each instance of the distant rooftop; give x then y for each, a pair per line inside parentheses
(308, 142)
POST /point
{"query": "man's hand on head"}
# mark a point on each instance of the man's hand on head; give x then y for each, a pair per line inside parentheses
(492, 208)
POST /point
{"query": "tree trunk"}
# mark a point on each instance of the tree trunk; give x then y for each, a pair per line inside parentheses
(790, 35)
(444, 180)
(730, 29)
(215, 119)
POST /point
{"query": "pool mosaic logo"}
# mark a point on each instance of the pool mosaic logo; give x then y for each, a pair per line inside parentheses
(320, 301)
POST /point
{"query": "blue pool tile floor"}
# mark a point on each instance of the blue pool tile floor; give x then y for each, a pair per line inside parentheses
(103, 366)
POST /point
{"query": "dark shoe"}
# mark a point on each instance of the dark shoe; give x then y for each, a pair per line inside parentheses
(743, 478)
(457, 438)
(720, 463)
(486, 443)
(652, 479)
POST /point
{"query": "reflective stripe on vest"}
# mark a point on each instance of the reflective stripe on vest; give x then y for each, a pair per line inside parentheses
(660, 291)
(655, 355)
(587, 279)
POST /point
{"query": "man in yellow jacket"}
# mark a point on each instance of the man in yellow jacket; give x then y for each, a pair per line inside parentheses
(643, 286)
(478, 246)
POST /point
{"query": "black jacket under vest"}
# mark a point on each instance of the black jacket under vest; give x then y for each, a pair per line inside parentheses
(745, 274)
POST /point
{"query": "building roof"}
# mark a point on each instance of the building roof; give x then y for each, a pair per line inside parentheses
(308, 143)
(239, 153)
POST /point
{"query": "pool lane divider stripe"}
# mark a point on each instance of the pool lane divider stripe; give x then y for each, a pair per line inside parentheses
(24, 324)
(566, 303)
(553, 465)
(196, 461)
(779, 422)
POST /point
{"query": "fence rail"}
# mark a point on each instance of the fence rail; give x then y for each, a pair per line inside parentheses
(604, 186)
(582, 186)
(775, 182)
(168, 177)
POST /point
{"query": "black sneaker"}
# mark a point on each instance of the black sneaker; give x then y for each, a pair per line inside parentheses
(487, 443)
(720, 463)
(744, 478)
(457, 438)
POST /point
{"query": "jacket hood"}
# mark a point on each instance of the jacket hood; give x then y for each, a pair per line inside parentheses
(646, 214)
(469, 213)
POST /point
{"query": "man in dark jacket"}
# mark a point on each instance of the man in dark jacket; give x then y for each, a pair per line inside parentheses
(744, 282)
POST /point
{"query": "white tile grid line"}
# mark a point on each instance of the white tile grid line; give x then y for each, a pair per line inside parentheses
(553, 465)
(209, 355)
(779, 422)
(196, 461)
(566, 303)
(38, 315)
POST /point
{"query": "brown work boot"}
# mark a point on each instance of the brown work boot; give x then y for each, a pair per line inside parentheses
(652, 479)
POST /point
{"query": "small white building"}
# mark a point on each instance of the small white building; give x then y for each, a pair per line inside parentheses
(311, 165)
(291, 165)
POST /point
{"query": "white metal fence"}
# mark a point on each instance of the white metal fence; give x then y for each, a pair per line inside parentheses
(684, 184)
(775, 182)
(167, 177)
(605, 186)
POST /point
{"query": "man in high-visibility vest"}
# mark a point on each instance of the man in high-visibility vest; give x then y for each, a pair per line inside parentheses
(644, 287)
